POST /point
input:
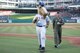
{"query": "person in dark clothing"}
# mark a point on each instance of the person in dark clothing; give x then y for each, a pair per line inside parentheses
(57, 26)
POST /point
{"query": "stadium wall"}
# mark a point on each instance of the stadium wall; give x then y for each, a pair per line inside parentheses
(28, 11)
(6, 19)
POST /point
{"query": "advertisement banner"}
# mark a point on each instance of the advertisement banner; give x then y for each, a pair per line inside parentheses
(77, 18)
(4, 19)
(71, 21)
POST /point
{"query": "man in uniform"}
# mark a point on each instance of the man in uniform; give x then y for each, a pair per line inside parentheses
(42, 23)
(57, 26)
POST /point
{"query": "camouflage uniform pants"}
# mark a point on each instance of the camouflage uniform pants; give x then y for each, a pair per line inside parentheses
(57, 36)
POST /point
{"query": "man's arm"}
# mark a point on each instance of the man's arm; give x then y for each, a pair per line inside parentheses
(62, 21)
(34, 20)
(47, 22)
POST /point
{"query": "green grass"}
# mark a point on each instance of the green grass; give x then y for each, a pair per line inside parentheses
(29, 45)
(71, 32)
(32, 30)
(24, 44)
(18, 29)
(22, 16)
(17, 45)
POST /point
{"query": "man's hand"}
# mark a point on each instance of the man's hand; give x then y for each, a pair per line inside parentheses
(46, 26)
(58, 23)
(35, 20)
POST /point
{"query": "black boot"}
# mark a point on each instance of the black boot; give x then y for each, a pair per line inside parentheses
(43, 49)
(55, 46)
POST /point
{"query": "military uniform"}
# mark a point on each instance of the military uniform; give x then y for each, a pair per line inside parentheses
(57, 26)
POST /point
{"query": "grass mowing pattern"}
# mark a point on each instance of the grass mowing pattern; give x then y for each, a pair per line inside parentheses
(30, 45)
(18, 29)
(16, 44)
(32, 30)
(71, 32)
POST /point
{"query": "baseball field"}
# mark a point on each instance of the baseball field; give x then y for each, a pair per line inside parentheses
(22, 38)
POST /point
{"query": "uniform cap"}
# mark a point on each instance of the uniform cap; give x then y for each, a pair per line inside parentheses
(41, 3)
